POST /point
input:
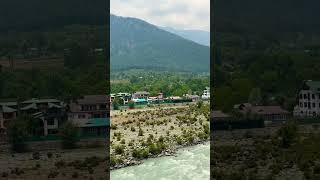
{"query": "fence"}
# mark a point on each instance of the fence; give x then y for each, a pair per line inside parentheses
(53, 137)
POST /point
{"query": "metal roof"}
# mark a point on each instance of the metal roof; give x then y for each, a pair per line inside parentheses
(97, 122)
(7, 109)
(30, 106)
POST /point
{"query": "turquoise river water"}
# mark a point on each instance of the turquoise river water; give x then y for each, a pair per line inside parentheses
(191, 163)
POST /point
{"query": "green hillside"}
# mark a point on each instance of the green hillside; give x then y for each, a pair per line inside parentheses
(138, 44)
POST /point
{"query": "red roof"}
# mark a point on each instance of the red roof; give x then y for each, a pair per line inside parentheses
(268, 110)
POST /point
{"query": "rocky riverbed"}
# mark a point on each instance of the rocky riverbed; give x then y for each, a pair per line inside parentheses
(140, 134)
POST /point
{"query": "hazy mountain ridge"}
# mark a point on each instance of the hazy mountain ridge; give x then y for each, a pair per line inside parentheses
(136, 43)
(198, 36)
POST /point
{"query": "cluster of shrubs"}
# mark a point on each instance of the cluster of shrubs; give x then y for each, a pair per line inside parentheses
(119, 149)
(115, 160)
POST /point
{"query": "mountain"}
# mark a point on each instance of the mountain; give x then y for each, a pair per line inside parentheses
(267, 16)
(138, 44)
(198, 36)
(31, 15)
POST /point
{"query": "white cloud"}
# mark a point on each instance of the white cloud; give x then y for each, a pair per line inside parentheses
(181, 14)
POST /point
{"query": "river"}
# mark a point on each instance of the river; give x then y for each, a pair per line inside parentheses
(191, 163)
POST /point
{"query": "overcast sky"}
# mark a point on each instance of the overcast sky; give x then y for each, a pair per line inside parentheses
(180, 14)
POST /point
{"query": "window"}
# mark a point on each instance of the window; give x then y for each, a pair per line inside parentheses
(103, 107)
(8, 115)
(301, 104)
(50, 122)
(313, 96)
(305, 96)
(313, 105)
(81, 116)
(305, 105)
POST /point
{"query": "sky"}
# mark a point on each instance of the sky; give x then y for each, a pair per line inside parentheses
(178, 14)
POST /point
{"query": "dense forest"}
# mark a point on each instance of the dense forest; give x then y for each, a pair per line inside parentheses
(169, 83)
(74, 31)
(264, 48)
(84, 70)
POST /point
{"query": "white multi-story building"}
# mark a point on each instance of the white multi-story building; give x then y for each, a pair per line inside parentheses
(308, 100)
(206, 93)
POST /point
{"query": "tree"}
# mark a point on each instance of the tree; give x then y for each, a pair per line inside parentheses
(255, 97)
(78, 56)
(116, 103)
(288, 134)
(18, 134)
(69, 135)
(131, 104)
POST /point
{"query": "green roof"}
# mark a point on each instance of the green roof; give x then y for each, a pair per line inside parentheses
(140, 100)
(96, 122)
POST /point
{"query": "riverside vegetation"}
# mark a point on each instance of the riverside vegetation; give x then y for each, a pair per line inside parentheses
(157, 131)
(287, 151)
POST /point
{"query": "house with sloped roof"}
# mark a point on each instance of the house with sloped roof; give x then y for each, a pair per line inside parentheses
(8, 112)
(140, 95)
(50, 113)
(308, 100)
(93, 127)
(267, 113)
(88, 107)
(218, 115)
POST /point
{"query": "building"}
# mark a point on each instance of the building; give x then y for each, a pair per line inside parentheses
(8, 112)
(308, 100)
(267, 113)
(91, 115)
(206, 93)
(243, 107)
(50, 113)
(271, 113)
(88, 107)
(140, 95)
(217, 115)
(140, 101)
(193, 98)
(94, 127)
(156, 99)
(125, 97)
